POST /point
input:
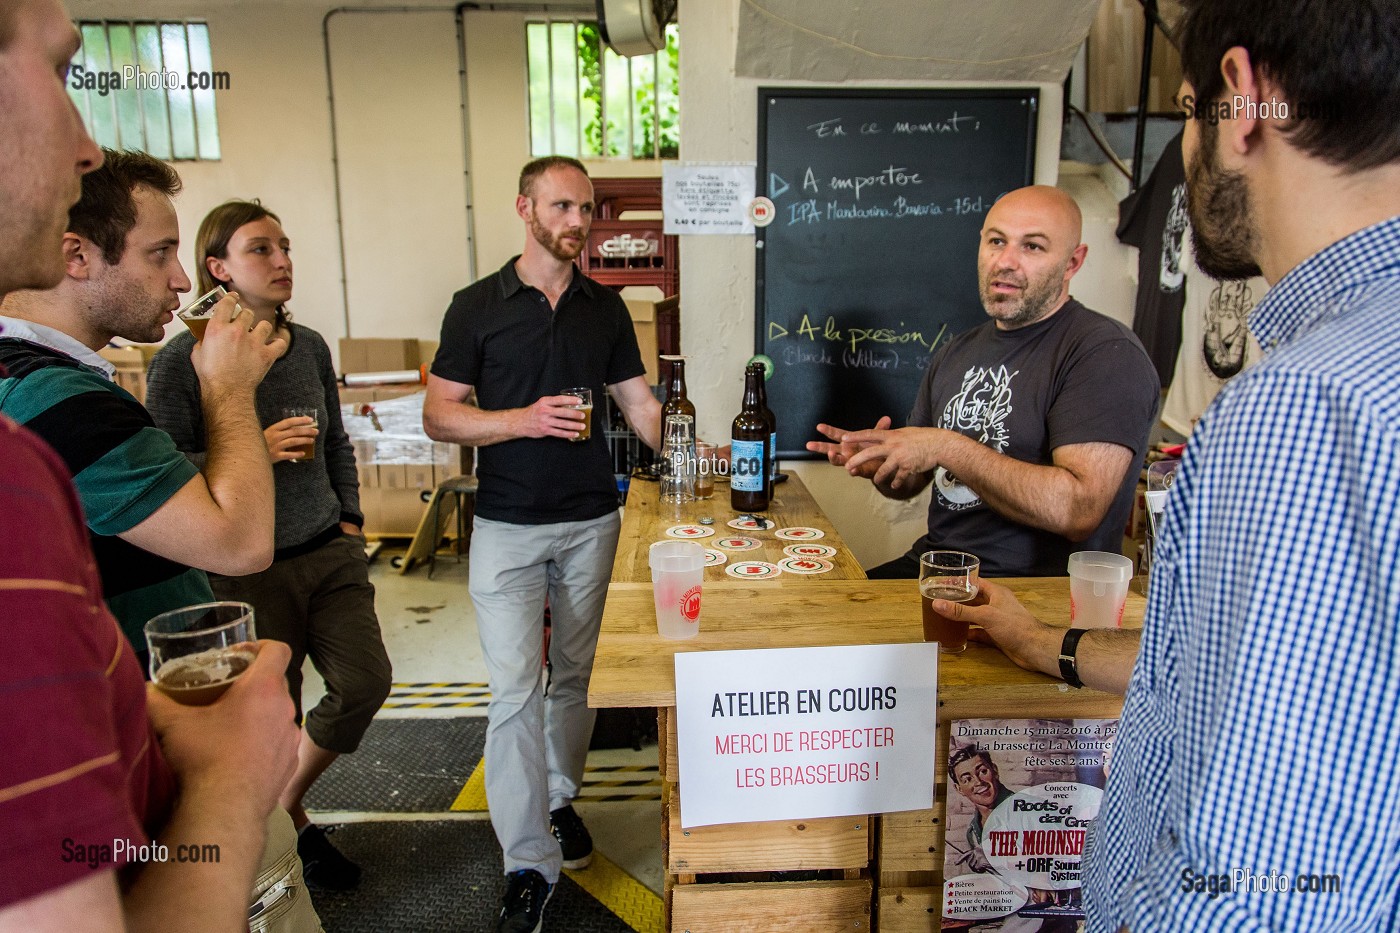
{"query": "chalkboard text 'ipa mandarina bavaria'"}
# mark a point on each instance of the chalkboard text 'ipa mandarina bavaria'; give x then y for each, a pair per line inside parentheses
(748, 458)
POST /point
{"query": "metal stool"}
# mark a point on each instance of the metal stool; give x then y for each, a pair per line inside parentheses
(462, 493)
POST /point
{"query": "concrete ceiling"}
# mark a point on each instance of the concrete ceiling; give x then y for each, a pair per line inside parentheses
(939, 40)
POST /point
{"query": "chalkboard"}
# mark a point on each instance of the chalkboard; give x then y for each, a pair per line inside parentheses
(871, 259)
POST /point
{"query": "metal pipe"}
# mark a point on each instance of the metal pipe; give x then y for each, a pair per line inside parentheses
(1149, 29)
(466, 141)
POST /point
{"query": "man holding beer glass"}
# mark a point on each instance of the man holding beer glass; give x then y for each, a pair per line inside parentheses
(158, 522)
(547, 521)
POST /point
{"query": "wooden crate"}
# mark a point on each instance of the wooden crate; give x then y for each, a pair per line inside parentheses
(721, 878)
(777, 845)
(910, 910)
(773, 907)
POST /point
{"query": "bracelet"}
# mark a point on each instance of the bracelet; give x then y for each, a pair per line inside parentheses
(1069, 663)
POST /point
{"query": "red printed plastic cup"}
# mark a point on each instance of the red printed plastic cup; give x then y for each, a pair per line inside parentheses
(677, 573)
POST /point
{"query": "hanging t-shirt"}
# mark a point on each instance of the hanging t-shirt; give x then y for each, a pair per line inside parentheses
(1154, 219)
(1215, 343)
(1076, 377)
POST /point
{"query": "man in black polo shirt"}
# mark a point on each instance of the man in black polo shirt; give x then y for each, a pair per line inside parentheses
(546, 512)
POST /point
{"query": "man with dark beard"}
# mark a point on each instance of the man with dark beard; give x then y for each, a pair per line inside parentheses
(1031, 427)
(547, 520)
(1260, 734)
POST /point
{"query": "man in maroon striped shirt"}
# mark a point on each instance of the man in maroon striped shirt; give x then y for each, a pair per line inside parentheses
(91, 763)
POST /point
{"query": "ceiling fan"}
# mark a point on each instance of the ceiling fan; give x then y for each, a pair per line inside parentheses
(635, 27)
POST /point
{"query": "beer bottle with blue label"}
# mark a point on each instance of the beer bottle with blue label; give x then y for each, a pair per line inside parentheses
(748, 452)
(772, 471)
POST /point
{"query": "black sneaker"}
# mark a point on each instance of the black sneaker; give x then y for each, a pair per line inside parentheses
(322, 864)
(522, 910)
(573, 837)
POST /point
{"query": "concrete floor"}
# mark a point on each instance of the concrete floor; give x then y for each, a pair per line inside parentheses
(429, 629)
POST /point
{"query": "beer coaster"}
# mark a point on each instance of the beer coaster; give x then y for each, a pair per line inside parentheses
(689, 531)
(752, 523)
(753, 570)
(805, 565)
(713, 557)
(800, 534)
(738, 543)
(809, 550)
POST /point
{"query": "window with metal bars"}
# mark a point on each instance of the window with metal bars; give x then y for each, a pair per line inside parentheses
(589, 102)
(148, 85)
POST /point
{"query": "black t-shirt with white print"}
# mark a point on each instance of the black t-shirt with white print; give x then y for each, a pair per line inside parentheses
(1076, 377)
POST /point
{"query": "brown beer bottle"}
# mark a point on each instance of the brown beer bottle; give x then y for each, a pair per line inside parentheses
(748, 451)
(771, 471)
(677, 403)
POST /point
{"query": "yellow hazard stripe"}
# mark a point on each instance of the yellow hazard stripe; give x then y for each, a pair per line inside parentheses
(472, 798)
(466, 704)
(633, 902)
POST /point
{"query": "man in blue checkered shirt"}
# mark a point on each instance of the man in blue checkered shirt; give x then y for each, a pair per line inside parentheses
(1254, 780)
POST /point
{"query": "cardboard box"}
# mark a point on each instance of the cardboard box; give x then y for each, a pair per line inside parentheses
(392, 512)
(356, 395)
(393, 476)
(377, 354)
(131, 363)
(360, 395)
(645, 315)
(427, 351)
(419, 476)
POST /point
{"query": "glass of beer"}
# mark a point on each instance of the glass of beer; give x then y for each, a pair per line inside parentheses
(705, 457)
(196, 314)
(585, 405)
(197, 652)
(952, 576)
(307, 448)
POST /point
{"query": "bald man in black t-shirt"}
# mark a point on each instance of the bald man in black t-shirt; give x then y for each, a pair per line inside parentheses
(1032, 427)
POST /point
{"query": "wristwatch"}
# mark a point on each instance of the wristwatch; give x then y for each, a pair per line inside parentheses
(1069, 661)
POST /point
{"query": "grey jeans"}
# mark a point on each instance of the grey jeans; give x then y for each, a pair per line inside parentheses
(536, 745)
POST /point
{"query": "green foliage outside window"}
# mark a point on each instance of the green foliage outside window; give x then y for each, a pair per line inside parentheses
(587, 101)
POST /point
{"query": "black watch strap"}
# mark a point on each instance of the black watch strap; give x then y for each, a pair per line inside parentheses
(1069, 660)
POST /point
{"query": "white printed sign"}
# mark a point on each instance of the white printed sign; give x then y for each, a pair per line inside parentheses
(699, 198)
(800, 733)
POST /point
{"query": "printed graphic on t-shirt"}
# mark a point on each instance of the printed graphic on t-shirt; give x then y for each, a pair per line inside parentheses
(981, 410)
(1173, 275)
(1224, 342)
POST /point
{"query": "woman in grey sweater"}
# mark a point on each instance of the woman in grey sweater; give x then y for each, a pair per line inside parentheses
(316, 596)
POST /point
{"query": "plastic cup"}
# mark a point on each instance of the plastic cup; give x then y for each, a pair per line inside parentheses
(1098, 588)
(677, 573)
(197, 652)
(196, 314)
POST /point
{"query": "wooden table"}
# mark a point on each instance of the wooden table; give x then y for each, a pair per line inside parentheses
(645, 521)
(634, 667)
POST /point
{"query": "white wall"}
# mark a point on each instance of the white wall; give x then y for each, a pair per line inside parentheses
(403, 189)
